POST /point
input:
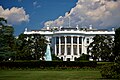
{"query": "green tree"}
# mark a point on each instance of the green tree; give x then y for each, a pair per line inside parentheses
(112, 71)
(6, 40)
(2, 21)
(30, 46)
(39, 46)
(22, 48)
(101, 47)
(116, 49)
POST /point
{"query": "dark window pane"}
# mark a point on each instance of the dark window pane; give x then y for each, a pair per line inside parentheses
(80, 40)
(62, 40)
(75, 40)
(68, 39)
(68, 50)
(57, 40)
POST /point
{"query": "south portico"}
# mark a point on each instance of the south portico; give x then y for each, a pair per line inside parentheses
(69, 47)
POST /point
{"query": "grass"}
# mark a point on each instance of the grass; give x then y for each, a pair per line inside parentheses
(49, 75)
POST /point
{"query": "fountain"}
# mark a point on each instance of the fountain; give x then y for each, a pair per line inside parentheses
(48, 56)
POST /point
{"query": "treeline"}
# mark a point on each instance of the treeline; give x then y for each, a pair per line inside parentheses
(23, 47)
(32, 47)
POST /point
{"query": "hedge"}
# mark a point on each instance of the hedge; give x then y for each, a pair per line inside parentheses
(46, 64)
(111, 71)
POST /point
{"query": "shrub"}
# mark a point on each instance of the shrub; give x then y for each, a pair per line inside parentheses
(55, 58)
(111, 71)
(83, 57)
(47, 64)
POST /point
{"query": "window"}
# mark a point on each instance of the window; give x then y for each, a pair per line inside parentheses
(57, 49)
(68, 39)
(75, 49)
(62, 49)
(57, 40)
(68, 50)
(68, 59)
(62, 40)
(75, 40)
(80, 40)
(80, 49)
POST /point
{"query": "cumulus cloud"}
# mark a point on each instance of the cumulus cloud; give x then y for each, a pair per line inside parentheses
(14, 15)
(99, 13)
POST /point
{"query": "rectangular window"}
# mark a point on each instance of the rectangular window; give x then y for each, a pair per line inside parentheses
(75, 49)
(57, 49)
(80, 49)
(68, 39)
(80, 40)
(57, 40)
(62, 40)
(62, 49)
(75, 40)
(68, 50)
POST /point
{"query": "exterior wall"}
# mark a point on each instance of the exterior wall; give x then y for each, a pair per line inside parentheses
(70, 44)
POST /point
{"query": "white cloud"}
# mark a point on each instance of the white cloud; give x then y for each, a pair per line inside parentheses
(14, 15)
(99, 13)
(36, 4)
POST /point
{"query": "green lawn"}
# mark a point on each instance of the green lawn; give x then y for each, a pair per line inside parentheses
(49, 75)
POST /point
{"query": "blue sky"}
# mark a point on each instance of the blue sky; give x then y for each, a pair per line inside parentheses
(39, 11)
(36, 14)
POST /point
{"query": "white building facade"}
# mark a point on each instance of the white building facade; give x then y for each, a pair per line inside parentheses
(70, 43)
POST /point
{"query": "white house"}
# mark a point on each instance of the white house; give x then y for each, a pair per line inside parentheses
(69, 43)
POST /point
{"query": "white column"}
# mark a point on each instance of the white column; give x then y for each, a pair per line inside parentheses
(65, 45)
(72, 45)
(55, 47)
(59, 46)
(82, 45)
(85, 45)
(78, 53)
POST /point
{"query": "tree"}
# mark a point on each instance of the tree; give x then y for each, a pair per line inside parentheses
(116, 49)
(40, 44)
(2, 21)
(30, 46)
(22, 48)
(112, 71)
(101, 47)
(6, 40)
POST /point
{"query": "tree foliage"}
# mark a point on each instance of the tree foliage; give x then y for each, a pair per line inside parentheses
(2, 21)
(111, 71)
(6, 40)
(117, 45)
(30, 47)
(101, 47)
(24, 47)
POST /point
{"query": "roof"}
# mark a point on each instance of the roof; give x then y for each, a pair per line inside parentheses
(69, 28)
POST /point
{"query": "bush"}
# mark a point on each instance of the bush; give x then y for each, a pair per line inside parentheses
(47, 64)
(111, 71)
(55, 58)
(84, 57)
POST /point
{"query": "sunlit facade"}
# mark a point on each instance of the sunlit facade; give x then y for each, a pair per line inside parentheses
(70, 43)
